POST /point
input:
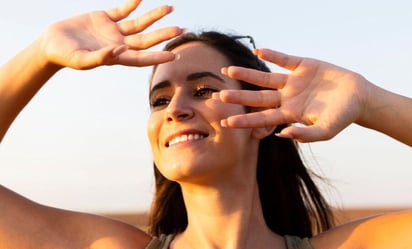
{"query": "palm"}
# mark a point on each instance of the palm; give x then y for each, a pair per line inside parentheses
(323, 97)
(97, 33)
(98, 38)
(314, 95)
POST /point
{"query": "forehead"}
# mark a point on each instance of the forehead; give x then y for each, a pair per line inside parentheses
(193, 57)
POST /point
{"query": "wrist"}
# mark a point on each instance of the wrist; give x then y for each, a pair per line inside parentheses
(376, 106)
(368, 100)
(41, 57)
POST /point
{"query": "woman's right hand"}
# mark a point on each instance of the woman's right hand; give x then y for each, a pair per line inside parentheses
(82, 42)
(105, 38)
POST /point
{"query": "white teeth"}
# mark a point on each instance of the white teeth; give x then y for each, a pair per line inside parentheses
(184, 138)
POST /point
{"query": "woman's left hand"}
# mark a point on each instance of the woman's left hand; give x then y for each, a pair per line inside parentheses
(323, 97)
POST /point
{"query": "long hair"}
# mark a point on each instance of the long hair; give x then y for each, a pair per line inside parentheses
(291, 202)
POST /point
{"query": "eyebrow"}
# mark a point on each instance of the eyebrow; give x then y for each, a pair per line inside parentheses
(199, 75)
(190, 77)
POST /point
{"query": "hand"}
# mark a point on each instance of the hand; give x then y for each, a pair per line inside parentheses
(104, 38)
(323, 97)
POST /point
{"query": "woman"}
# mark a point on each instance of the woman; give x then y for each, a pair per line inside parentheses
(197, 141)
(251, 179)
(290, 200)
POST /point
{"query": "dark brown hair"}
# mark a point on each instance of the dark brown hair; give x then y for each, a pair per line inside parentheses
(291, 202)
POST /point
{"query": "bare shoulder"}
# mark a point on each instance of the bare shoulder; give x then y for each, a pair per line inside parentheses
(26, 224)
(391, 230)
(96, 232)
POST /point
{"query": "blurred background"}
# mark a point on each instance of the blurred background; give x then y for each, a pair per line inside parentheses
(81, 143)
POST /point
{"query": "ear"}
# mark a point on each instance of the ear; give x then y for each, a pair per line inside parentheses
(260, 133)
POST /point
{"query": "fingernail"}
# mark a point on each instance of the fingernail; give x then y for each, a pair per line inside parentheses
(257, 52)
(177, 57)
(282, 135)
(223, 70)
(223, 122)
(216, 96)
(170, 8)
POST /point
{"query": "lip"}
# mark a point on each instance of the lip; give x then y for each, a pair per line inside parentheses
(183, 133)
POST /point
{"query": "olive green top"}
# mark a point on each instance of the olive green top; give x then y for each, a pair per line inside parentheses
(292, 242)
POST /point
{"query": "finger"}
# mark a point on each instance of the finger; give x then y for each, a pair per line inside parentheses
(289, 62)
(144, 21)
(266, 118)
(263, 98)
(141, 59)
(143, 41)
(123, 11)
(306, 134)
(118, 56)
(86, 59)
(263, 79)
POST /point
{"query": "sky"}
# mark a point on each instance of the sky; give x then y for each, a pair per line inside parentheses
(81, 143)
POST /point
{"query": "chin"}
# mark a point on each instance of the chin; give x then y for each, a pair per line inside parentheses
(178, 172)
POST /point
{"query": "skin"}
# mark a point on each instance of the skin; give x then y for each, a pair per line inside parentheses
(103, 39)
(323, 96)
(181, 105)
(219, 169)
(227, 208)
(90, 40)
(326, 99)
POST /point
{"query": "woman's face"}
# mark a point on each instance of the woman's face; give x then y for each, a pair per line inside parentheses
(187, 141)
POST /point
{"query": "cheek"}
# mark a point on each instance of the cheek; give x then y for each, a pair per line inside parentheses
(224, 110)
(228, 110)
(153, 129)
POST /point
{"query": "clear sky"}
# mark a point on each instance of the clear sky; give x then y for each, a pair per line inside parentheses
(81, 143)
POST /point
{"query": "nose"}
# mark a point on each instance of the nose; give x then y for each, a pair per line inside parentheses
(179, 109)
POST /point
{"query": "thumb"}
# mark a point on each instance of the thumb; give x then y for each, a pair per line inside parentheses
(86, 59)
(305, 134)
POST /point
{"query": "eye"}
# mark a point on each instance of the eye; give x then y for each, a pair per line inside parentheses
(160, 101)
(204, 91)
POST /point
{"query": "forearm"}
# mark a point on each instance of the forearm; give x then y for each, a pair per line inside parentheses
(388, 113)
(20, 79)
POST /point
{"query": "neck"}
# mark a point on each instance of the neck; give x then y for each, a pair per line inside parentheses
(228, 215)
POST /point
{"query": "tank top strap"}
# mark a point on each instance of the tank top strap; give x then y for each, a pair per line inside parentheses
(294, 242)
(161, 242)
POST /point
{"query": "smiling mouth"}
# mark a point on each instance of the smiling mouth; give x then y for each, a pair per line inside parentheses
(185, 138)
